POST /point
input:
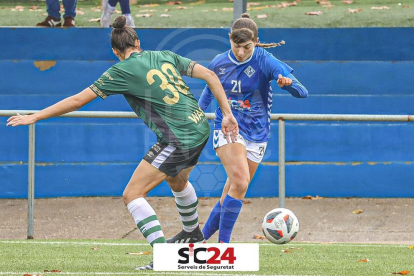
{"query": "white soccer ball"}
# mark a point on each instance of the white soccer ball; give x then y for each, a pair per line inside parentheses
(280, 225)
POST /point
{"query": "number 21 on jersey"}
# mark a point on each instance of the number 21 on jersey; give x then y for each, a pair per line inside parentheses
(236, 86)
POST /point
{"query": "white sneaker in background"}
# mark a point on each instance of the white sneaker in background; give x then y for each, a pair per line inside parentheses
(129, 20)
(107, 12)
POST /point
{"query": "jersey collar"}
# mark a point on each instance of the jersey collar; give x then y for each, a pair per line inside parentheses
(235, 61)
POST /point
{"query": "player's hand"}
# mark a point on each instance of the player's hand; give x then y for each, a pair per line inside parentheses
(19, 120)
(282, 81)
(230, 128)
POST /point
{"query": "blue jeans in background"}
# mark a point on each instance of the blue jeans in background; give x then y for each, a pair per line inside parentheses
(53, 8)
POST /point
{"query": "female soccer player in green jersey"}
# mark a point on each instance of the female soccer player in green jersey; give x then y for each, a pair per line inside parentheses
(151, 83)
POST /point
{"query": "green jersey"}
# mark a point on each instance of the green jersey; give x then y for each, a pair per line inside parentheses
(151, 82)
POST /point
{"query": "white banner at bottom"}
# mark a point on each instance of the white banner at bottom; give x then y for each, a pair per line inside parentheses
(206, 257)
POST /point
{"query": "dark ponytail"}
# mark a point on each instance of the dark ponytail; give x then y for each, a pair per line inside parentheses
(122, 36)
(245, 29)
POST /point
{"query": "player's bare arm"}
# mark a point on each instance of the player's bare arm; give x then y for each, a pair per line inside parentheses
(229, 124)
(69, 104)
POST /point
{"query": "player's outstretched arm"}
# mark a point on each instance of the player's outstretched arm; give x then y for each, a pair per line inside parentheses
(69, 104)
(229, 124)
(292, 85)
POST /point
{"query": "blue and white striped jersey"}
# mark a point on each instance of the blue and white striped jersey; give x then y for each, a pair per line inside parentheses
(248, 90)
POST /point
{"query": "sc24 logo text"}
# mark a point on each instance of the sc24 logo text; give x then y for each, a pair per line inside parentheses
(217, 258)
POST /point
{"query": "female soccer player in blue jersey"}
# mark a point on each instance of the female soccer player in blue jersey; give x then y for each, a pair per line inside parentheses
(245, 72)
(151, 82)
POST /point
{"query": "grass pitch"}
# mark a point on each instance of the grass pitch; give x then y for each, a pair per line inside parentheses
(216, 14)
(108, 257)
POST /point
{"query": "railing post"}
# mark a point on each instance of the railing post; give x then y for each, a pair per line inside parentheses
(282, 190)
(239, 7)
(30, 191)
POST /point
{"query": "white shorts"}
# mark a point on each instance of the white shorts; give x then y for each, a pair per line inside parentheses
(255, 151)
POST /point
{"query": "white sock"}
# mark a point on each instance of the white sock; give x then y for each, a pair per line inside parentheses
(146, 220)
(187, 203)
(129, 20)
(111, 9)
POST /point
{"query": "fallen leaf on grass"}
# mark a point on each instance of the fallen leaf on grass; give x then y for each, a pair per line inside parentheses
(27, 274)
(165, 15)
(174, 3)
(149, 5)
(404, 272)
(227, 9)
(405, 6)
(198, 3)
(143, 15)
(261, 16)
(354, 10)
(181, 8)
(95, 20)
(364, 261)
(261, 8)
(314, 13)
(380, 8)
(285, 5)
(140, 253)
(348, 2)
(17, 8)
(411, 247)
(291, 249)
(253, 4)
(323, 2)
(96, 9)
(247, 201)
(33, 7)
(95, 248)
(78, 12)
(258, 237)
(147, 10)
(53, 271)
(357, 212)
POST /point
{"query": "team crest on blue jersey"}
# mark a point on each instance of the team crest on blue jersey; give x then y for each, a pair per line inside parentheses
(222, 71)
(249, 71)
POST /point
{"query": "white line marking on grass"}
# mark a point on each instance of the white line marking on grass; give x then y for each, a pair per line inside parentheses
(77, 243)
(135, 273)
(261, 244)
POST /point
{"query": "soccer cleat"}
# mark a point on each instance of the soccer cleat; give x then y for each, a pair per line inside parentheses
(69, 22)
(107, 12)
(196, 236)
(146, 267)
(50, 22)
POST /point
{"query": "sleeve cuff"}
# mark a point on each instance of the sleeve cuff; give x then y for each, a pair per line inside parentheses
(190, 68)
(97, 91)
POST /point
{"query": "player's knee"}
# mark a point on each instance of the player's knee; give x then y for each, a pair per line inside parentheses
(240, 181)
(129, 195)
(177, 184)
